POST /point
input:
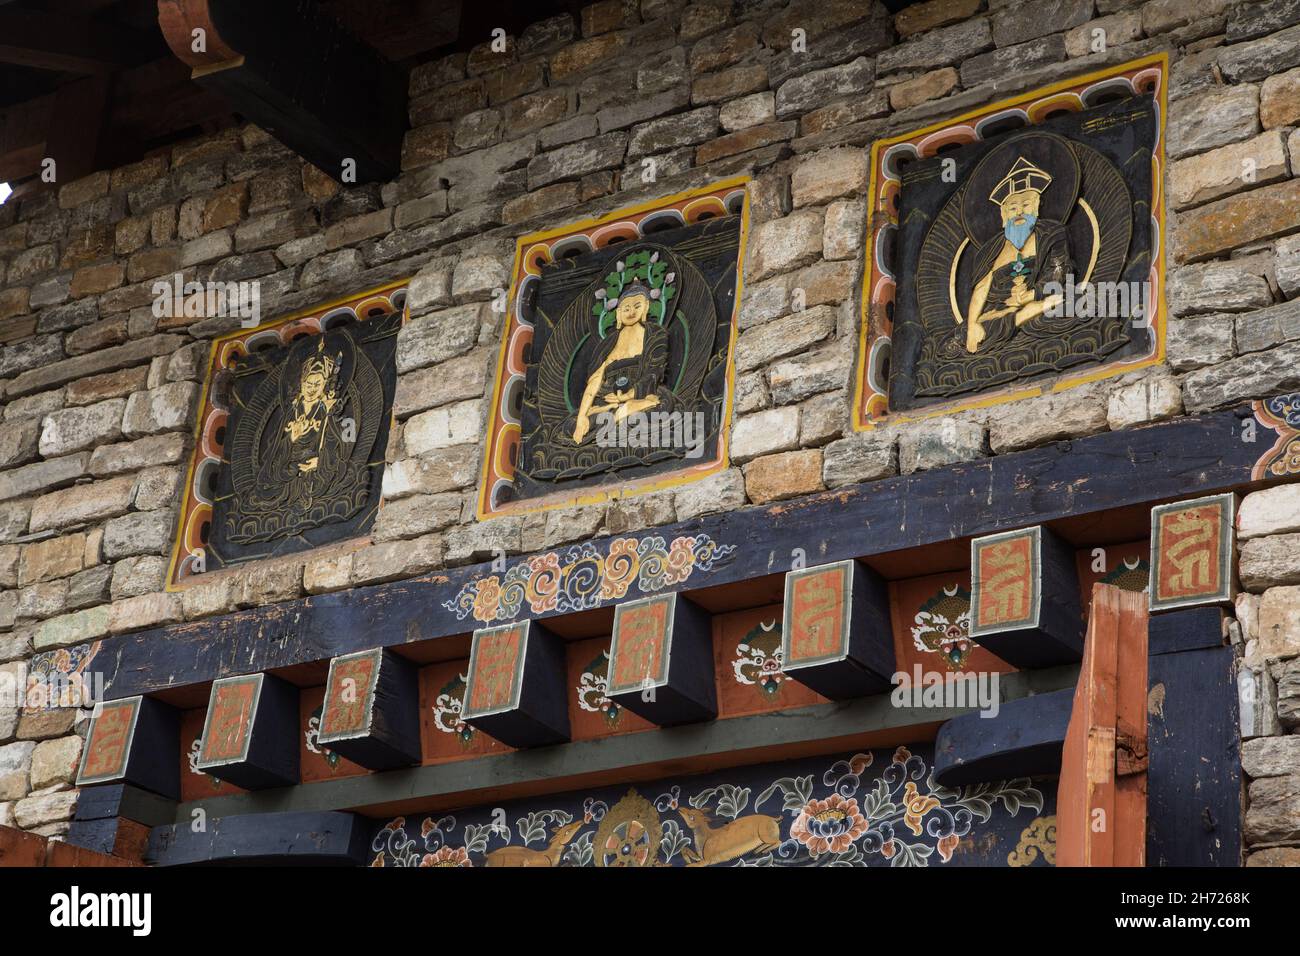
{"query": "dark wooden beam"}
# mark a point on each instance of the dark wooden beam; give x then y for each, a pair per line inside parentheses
(295, 71)
(626, 758)
(318, 839)
(76, 126)
(1024, 739)
(1174, 459)
(52, 41)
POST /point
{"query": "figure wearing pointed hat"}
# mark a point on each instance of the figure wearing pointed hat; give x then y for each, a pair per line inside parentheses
(1014, 266)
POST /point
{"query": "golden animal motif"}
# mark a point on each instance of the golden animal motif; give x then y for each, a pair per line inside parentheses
(524, 856)
(1191, 553)
(1037, 838)
(816, 619)
(1003, 597)
(758, 833)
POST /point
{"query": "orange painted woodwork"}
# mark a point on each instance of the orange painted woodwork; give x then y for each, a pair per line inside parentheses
(1101, 797)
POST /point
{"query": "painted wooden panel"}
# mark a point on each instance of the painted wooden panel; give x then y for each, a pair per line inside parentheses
(317, 761)
(1024, 597)
(444, 733)
(661, 660)
(132, 741)
(195, 783)
(749, 666)
(835, 634)
(931, 621)
(872, 808)
(515, 689)
(249, 736)
(371, 709)
(1192, 547)
(591, 712)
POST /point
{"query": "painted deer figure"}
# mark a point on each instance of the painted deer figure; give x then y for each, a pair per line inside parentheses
(523, 856)
(758, 833)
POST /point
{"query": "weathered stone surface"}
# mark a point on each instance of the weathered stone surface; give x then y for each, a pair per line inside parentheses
(1275, 856)
(723, 48)
(753, 110)
(43, 476)
(443, 427)
(1161, 16)
(684, 129)
(15, 765)
(1256, 331)
(100, 499)
(39, 601)
(396, 559)
(26, 359)
(1230, 169)
(144, 532)
(89, 587)
(1270, 562)
(865, 456)
(439, 336)
(99, 388)
(729, 84)
(1036, 18)
(167, 408)
(842, 233)
(934, 444)
(763, 433)
(1286, 263)
(454, 467)
(117, 459)
(794, 379)
(1279, 100)
(576, 159)
(47, 808)
(781, 337)
(1218, 287)
(802, 93)
(417, 515)
(450, 381)
(1260, 373)
(1116, 30)
(1050, 417)
(743, 141)
(1279, 622)
(724, 491)
(477, 278)
(272, 582)
(943, 47)
(934, 13)
(1269, 511)
(1248, 62)
(922, 89)
(827, 175)
(34, 406)
(55, 762)
(1153, 398)
(60, 372)
(997, 64)
(784, 244)
(19, 442)
(787, 475)
(1273, 813)
(332, 269)
(1237, 221)
(13, 519)
(328, 573)
(1215, 118)
(1196, 342)
(145, 610)
(75, 429)
(51, 558)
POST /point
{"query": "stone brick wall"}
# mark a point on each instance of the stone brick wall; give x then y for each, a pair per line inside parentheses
(98, 394)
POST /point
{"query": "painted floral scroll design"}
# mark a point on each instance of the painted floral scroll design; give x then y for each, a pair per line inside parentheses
(584, 576)
(1281, 413)
(840, 816)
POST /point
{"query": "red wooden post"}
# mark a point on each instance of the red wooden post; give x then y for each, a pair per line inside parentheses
(1101, 798)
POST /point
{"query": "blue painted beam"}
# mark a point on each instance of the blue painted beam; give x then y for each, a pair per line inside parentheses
(1023, 740)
